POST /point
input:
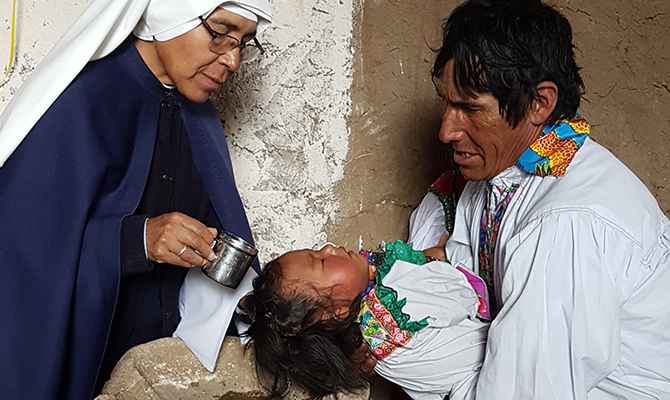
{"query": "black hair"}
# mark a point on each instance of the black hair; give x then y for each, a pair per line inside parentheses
(292, 342)
(506, 48)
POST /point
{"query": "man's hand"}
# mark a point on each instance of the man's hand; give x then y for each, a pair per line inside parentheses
(437, 252)
(365, 360)
(178, 239)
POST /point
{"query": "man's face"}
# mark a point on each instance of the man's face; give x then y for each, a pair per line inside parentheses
(191, 66)
(484, 143)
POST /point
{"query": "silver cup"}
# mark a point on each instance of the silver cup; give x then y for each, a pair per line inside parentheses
(233, 258)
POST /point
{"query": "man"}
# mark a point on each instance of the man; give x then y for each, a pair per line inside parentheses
(574, 248)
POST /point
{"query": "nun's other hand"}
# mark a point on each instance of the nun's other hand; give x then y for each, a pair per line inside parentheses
(365, 360)
(178, 239)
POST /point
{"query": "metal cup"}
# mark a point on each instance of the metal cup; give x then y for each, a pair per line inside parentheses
(233, 258)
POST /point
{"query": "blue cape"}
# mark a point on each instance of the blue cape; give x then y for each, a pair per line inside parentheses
(63, 195)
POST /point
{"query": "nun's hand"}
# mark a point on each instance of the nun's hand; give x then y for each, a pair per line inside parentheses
(178, 239)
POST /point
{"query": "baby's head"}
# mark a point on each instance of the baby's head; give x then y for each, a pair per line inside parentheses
(303, 310)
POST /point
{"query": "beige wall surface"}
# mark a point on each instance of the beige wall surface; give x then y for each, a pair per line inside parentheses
(622, 47)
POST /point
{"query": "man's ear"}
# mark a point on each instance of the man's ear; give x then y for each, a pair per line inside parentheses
(544, 104)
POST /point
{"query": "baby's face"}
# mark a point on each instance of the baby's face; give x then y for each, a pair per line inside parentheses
(345, 274)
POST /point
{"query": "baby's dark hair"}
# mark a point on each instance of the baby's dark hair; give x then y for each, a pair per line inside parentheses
(293, 343)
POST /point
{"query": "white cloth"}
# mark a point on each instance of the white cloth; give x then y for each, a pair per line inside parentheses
(443, 358)
(206, 309)
(426, 224)
(103, 26)
(582, 270)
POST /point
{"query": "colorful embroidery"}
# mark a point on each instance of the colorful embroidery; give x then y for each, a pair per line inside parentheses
(383, 323)
(379, 328)
(448, 189)
(555, 150)
(488, 236)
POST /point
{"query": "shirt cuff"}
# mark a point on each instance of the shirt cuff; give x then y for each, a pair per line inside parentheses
(134, 258)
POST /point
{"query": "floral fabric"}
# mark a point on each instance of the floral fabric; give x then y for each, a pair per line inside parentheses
(379, 328)
(553, 152)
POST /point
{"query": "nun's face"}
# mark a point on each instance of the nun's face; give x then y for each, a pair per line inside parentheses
(191, 66)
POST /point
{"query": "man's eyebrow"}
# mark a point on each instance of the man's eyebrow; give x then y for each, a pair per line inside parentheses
(466, 103)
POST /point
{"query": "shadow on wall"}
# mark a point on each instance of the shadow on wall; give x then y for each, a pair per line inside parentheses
(395, 152)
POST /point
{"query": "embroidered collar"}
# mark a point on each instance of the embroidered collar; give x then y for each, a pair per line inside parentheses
(387, 296)
(554, 151)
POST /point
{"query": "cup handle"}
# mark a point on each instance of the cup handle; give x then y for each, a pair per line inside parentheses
(214, 244)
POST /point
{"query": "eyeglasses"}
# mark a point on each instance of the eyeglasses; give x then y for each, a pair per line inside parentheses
(223, 43)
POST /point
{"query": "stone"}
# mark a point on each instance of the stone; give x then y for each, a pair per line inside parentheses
(167, 369)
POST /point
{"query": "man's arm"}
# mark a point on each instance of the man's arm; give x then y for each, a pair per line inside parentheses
(426, 224)
(557, 335)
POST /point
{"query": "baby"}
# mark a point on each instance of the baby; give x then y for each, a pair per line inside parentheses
(424, 321)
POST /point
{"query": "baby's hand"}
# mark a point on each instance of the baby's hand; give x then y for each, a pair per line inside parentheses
(437, 252)
(365, 360)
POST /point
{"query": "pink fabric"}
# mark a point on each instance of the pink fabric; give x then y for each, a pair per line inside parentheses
(482, 294)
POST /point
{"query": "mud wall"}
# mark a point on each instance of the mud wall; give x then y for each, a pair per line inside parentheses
(622, 47)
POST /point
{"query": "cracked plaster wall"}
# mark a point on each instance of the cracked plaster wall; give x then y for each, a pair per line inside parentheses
(286, 123)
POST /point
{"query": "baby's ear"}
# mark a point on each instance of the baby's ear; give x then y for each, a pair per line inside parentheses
(341, 312)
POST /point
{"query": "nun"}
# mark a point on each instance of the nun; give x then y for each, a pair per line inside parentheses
(115, 177)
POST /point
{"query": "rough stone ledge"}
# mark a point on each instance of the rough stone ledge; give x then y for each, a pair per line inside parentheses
(166, 369)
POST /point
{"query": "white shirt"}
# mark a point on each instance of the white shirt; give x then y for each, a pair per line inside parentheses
(582, 270)
(443, 358)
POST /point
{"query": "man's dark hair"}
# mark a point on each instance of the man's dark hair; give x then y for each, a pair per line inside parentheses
(292, 344)
(506, 48)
